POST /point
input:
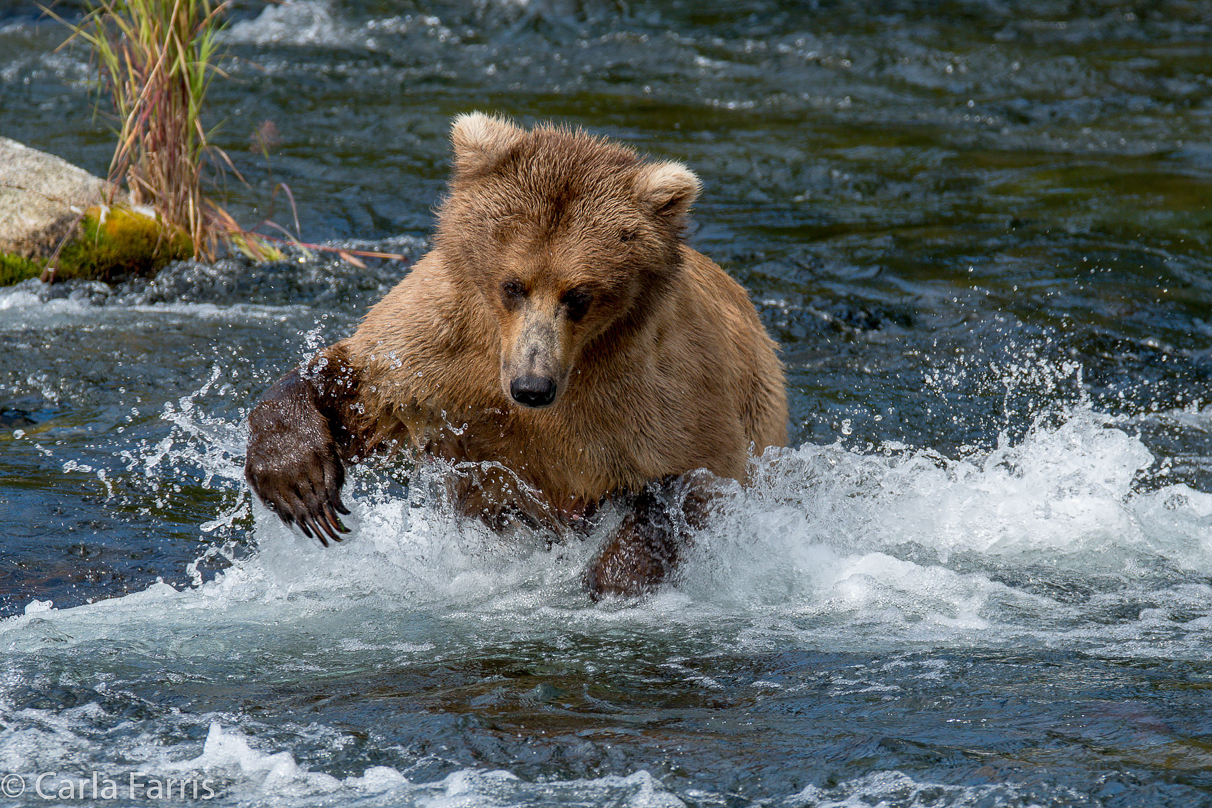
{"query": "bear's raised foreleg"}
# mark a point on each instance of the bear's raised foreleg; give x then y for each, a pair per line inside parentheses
(300, 436)
(650, 544)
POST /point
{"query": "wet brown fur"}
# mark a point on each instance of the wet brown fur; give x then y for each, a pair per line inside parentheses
(667, 370)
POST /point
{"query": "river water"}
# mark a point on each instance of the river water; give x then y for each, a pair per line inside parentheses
(980, 576)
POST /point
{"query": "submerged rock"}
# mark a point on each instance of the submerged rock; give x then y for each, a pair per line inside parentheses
(41, 197)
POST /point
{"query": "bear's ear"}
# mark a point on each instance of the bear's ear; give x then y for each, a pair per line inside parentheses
(480, 140)
(668, 190)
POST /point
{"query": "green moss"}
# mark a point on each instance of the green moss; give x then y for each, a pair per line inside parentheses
(125, 244)
(14, 269)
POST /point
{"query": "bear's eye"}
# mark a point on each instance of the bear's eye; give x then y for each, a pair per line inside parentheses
(576, 303)
(626, 236)
(512, 294)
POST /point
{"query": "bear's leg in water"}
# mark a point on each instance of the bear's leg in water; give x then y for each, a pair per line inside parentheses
(650, 544)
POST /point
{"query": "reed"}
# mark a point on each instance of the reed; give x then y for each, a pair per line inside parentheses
(157, 58)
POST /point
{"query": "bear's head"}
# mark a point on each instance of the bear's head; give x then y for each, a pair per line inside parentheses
(566, 239)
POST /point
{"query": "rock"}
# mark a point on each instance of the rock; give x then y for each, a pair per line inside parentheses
(40, 197)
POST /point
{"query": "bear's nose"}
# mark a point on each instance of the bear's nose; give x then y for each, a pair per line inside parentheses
(533, 391)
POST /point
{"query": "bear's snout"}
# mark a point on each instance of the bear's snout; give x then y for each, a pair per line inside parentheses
(533, 391)
(535, 352)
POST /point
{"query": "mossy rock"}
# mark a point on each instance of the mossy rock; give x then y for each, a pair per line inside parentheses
(110, 245)
(118, 243)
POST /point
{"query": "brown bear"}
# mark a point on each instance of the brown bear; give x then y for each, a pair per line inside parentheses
(559, 342)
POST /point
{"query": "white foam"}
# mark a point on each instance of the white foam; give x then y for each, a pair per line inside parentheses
(896, 788)
(23, 307)
(277, 775)
(317, 23)
(233, 767)
(302, 22)
(922, 546)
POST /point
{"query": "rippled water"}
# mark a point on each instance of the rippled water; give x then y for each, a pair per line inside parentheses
(981, 576)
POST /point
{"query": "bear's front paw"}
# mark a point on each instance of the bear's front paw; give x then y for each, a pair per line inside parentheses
(293, 464)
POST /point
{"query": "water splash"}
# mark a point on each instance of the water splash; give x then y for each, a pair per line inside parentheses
(1040, 542)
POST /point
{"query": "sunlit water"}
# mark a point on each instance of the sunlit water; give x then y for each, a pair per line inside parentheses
(980, 576)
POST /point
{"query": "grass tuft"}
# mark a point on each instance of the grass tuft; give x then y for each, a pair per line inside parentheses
(156, 58)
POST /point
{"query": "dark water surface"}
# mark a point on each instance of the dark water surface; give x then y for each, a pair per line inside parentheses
(982, 576)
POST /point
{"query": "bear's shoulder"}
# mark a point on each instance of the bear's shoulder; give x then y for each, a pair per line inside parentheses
(427, 338)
